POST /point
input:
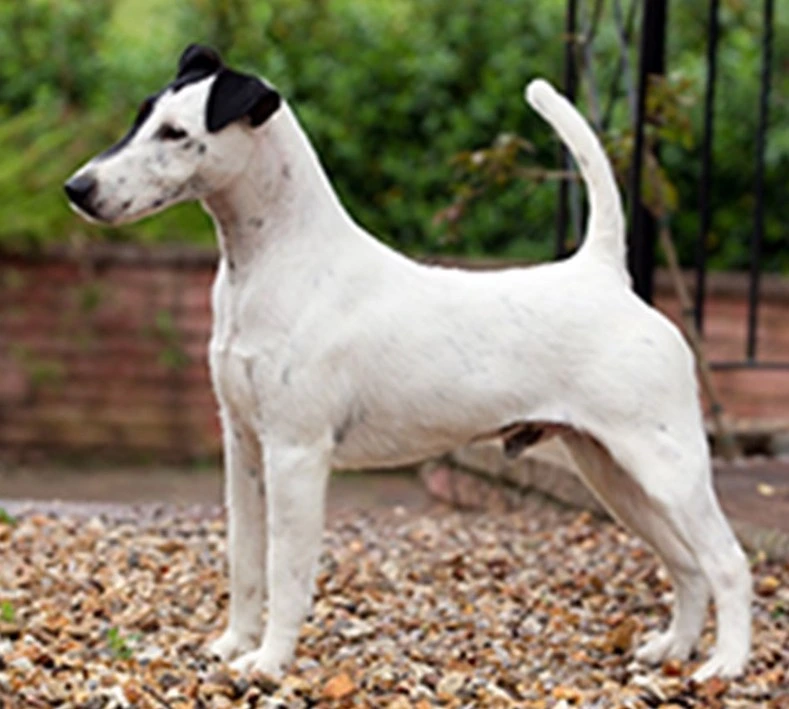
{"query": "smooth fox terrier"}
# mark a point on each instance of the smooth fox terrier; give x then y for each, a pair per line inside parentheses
(331, 350)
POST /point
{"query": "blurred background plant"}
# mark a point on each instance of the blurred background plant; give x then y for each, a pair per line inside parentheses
(415, 107)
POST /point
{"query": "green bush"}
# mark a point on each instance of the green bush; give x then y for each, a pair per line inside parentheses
(391, 93)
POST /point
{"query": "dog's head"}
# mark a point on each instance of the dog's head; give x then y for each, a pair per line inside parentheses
(187, 141)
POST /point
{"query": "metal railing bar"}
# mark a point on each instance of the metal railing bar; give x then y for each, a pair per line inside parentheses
(750, 364)
(761, 140)
(569, 84)
(705, 211)
(643, 234)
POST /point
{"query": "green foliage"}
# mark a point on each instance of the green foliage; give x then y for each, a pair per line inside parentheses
(7, 612)
(48, 51)
(119, 647)
(7, 518)
(736, 115)
(397, 97)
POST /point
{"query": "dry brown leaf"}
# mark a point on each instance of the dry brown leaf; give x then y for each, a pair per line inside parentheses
(620, 638)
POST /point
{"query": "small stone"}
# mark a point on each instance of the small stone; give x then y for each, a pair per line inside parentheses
(713, 688)
(672, 668)
(568, 694)
(449, 685)
(767, 585)
(339, 686)
(219, 683)
(620, 638)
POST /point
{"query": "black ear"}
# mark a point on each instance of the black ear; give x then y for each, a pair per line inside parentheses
(235, 96)
(197, 59)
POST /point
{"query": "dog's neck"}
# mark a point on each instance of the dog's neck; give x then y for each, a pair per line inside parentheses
(283, 197)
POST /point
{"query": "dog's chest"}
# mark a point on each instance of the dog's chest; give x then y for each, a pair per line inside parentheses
(232, 357)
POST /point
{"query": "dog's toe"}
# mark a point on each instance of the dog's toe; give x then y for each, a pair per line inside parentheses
(662, 647)
(724, 665)
(231, 644)
(259, 661)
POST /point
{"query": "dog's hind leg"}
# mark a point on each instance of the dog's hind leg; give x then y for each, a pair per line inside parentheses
(673, 476)
(629, 504)
(245, 541)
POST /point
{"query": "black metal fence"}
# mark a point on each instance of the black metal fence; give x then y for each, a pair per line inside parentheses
(642, 236)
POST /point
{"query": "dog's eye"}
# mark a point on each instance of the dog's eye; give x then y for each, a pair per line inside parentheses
(169, 132)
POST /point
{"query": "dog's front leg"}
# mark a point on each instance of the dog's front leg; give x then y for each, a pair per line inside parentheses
(245, 541)
(296, 480)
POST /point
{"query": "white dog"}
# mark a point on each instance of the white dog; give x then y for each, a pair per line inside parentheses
(331, 350)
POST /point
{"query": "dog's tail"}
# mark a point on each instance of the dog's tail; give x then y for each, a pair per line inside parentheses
(605, 233)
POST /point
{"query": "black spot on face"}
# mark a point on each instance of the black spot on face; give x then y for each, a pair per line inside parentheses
(285, 172)
(187, 145)
(201, 148)
(256, 222)
(126, 205)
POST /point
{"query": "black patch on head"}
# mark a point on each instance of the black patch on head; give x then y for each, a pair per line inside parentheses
(197, 58)
(196, 63)
(235, 96)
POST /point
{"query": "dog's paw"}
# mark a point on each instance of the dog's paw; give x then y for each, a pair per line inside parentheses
(260, 661)
(723, 665)
(232, 644)
(664, 646)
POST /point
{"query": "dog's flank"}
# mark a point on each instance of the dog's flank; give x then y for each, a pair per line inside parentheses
(330, 349)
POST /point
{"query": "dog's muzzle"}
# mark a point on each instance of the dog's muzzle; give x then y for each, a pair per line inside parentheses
(80, 190)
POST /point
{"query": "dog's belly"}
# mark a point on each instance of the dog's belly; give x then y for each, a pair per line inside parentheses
(383, 446)
(386, 450)
(378, 438)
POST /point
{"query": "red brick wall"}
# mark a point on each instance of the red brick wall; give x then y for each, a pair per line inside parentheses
(761, 394)
(105, 354)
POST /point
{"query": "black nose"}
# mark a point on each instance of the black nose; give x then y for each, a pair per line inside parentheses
(79, 190)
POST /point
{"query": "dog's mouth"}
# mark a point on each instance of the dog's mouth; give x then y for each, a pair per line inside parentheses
(88, 213)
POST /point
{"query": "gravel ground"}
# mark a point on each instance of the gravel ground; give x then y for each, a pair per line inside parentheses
(530, 609)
